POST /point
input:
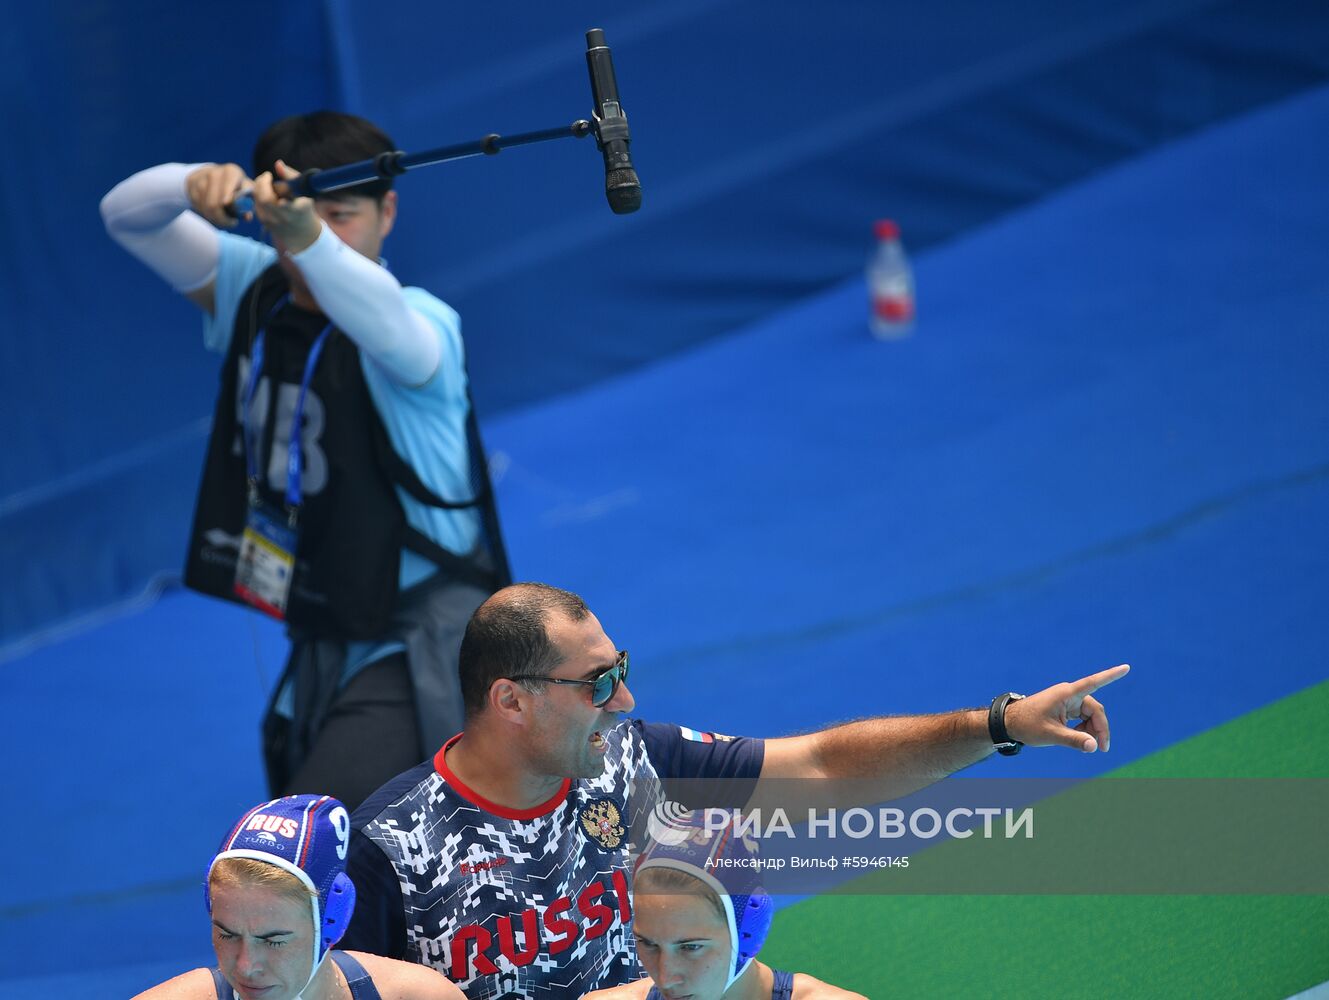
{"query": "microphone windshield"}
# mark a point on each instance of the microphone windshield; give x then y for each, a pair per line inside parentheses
(623, 190)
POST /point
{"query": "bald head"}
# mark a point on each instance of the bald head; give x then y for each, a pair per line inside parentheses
(510, 634)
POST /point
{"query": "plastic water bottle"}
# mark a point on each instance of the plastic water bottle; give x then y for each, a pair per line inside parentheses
(890, 285)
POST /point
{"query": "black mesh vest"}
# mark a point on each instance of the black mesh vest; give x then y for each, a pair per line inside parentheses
(352, 527)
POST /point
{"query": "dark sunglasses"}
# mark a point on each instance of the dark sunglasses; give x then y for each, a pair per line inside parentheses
(602, 687)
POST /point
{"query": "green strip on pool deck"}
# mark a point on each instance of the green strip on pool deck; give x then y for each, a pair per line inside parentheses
(1139, 946)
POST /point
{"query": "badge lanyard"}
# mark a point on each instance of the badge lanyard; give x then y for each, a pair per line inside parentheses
(295, 450)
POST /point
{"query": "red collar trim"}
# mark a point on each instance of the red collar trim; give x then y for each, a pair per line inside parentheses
(475, 798)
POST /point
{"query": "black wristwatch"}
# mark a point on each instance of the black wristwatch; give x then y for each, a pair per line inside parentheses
(1001, 739)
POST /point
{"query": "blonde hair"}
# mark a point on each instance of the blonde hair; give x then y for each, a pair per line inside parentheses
(657, 880)
(251, 871)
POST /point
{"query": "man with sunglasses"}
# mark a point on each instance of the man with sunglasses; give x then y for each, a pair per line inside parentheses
(504, 861)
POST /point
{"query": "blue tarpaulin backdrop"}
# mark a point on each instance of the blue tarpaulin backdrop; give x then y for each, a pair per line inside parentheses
(767, 138)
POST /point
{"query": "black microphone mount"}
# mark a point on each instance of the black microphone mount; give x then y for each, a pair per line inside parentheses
(610, 131)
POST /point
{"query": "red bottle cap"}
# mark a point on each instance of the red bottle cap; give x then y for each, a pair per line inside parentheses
(886, 229)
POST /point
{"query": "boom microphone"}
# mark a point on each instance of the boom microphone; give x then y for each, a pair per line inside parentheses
(622, 187)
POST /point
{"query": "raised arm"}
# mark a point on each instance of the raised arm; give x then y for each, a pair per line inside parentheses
(909, 752)
(165, 215)
(363, 298)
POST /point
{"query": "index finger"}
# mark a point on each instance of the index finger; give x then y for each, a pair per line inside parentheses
(1090, 684)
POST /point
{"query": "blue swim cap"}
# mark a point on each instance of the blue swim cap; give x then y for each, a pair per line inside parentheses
(727, 862)
(307, 836)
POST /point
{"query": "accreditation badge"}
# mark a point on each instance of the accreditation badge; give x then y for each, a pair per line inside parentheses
(267, 561)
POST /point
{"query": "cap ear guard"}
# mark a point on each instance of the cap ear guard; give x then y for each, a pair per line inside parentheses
(337, 910)
(753, 916)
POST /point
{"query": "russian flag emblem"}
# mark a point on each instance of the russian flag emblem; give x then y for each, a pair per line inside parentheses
(696, 737)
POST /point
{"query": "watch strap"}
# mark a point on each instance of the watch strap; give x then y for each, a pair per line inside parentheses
(1001, 739)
